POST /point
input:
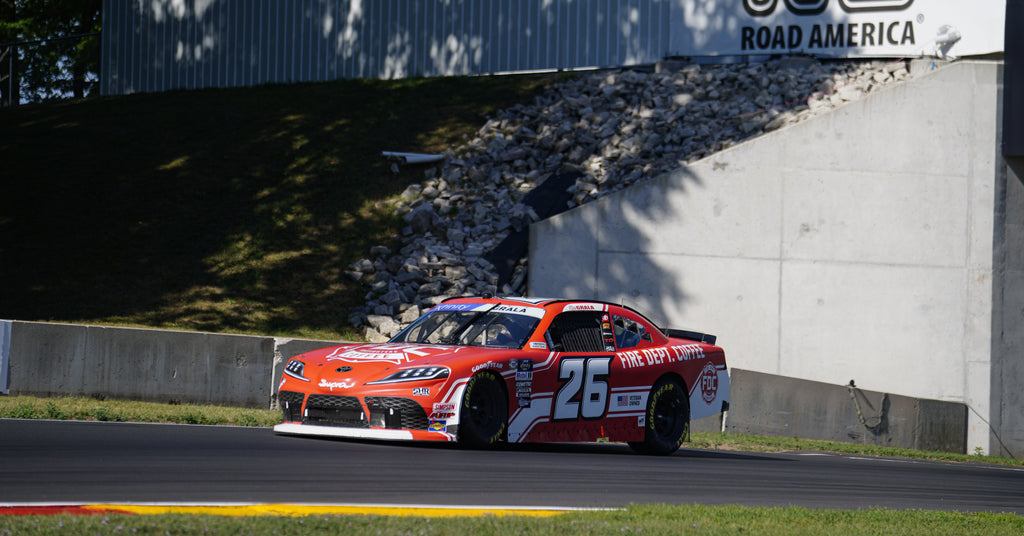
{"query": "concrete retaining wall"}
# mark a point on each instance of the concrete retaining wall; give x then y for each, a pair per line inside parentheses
(237, 370)
(858, 244)
(1008, 321)
(148, 365)
(777, 406)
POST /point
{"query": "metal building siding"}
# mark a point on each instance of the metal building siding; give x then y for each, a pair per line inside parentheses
(156, 45)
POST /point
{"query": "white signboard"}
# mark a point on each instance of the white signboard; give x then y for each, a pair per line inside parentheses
(839, 28)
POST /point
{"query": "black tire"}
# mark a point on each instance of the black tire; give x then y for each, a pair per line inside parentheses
(483, 417)
(668, 419)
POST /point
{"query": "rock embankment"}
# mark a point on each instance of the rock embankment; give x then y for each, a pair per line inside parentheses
(610, 130)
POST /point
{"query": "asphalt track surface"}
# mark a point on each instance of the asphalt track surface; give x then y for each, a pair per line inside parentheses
(91, 462)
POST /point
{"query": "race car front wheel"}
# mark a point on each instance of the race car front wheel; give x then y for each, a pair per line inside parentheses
(667, 423)
(483, 418)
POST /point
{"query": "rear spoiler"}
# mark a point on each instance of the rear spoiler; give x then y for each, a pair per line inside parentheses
(691, 335)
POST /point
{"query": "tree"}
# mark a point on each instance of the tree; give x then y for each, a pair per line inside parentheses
(58, 55)
(10, 31)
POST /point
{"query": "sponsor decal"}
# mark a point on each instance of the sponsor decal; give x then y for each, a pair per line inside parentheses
(488, 365)
(628, 401)
(658, 356)
(436, 426)
(421, 391)
(448, 407)
(535, 312)
(708, 382)
(538, 345)
(584, 307)
(339, 385)
(641, 421)
(608, 334)
(442, 411)
(396, 354)
(524, 380)
(458, 306)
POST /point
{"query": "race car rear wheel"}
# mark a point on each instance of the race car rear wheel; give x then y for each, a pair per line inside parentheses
(668, 419)
(483, 418)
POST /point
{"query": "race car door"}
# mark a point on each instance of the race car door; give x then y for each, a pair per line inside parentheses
(570, 390)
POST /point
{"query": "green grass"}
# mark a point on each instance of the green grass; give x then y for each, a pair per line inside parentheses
(225, 210)
(92, 409)
(635, 520)
(752, 443)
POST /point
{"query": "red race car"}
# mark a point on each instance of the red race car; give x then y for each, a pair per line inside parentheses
(486, 370)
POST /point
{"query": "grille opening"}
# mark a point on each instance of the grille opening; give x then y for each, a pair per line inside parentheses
(396, 413)
(335, 411)
(290, 403)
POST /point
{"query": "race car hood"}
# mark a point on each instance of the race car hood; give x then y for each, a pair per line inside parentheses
(347, 366)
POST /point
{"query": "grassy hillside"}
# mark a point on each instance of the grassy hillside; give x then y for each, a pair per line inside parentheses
(233, 210)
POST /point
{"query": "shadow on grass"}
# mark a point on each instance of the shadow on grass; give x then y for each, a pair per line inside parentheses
(223, 210)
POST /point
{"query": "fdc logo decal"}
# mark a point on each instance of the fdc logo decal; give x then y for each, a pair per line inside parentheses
(764, 8)
(709, 382)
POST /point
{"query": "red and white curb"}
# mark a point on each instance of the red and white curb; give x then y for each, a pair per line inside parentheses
(280, 509)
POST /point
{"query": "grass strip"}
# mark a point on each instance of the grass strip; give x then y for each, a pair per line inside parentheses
(636, 519)
(92, 409)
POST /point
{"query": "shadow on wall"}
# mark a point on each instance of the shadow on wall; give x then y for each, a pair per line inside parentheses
(248, 42)
(594, 266)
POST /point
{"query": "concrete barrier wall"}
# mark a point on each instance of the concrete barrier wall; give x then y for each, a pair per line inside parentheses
(777, 406)
(5, 354)
(148, 365)
(237, 370)
(857, 244)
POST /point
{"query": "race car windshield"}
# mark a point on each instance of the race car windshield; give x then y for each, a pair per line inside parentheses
(470, 328)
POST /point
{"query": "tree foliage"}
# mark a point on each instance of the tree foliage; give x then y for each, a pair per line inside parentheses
(56, 57)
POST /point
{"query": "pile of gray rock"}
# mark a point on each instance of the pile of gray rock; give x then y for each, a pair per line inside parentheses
(612, 129)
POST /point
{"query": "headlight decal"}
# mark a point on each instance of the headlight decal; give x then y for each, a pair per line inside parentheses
(417, 374)
(295, 368)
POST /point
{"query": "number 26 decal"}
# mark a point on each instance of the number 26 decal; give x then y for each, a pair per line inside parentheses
(584, 395)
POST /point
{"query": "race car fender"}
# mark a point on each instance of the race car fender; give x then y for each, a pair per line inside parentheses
(709, 394)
